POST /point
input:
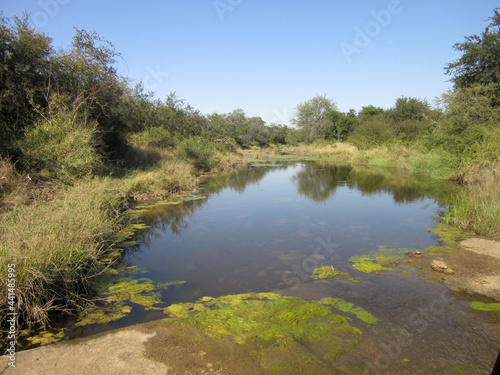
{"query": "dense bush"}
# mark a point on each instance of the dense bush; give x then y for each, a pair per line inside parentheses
(200, 151)
(64, 146)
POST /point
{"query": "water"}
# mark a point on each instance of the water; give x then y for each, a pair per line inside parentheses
(265, 227)
(253, 234)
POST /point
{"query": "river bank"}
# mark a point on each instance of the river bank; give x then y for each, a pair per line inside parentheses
(58, 238)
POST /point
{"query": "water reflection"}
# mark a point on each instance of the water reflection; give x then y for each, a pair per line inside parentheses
(315, 181)
(319, 181)
(258, 222)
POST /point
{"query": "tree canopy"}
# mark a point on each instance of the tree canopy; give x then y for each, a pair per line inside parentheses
(312, 115)
(480, 62)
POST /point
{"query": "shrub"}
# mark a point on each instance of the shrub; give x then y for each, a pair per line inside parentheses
(201, 152)
(154, 136)
(375, 131)
(63, 147)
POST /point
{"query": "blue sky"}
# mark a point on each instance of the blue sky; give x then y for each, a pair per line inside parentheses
(267, 56)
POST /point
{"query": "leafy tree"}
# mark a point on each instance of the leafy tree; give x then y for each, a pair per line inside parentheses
(480, 62)
(370, 111)
(341, 124)
(24, 71)
(312, 116)
(410, 109)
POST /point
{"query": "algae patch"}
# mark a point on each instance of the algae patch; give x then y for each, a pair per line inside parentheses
(46, 337)
(328, 272)
(448, 234)
(378, 260)
(270, 319)
(348, 307)
(485, 306)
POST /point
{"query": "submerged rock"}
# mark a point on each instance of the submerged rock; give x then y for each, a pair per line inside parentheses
(440, 266)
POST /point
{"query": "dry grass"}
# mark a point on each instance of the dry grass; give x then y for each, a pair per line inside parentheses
(477, 207)
(56, 246)
(14, 187)
(169, 176)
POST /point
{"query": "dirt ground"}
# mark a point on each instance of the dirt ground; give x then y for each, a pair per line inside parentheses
(117, 352)
(476, 263)
(151, 348)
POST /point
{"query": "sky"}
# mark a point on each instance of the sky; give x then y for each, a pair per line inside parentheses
(268, 56)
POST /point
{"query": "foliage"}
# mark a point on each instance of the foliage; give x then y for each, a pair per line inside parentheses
(201, 152)
(480, 62)
(341, 124)
(24, 69)
(312, 116)
(63, 145)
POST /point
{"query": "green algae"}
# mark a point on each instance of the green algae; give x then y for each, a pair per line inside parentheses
(273, 320)
(348, 307)
(485, 306)
(46, 337)
(453, 370)
(328, 272)
(366, 265)
(117, 296)
(128, 231)
(100, 315)
(448, 234)
(378, 260)
(169, 284)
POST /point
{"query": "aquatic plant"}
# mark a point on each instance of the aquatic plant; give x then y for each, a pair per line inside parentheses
(46, 337)
(378, 260)
(272, 319)
(328, 272)
(348, 307)
(448, 234)
(485, 306)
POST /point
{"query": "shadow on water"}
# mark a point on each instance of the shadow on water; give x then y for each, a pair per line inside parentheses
(266, 227)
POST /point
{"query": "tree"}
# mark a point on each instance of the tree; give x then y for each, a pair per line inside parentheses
(24, 72)
(341, 124)
(410, 109)
(312, 116)
(370, 111)
(480, 62)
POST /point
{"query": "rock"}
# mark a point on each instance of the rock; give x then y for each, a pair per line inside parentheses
(440, 266)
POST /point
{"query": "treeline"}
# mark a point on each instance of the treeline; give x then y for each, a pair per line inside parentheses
(464, 122)
(67, 114)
